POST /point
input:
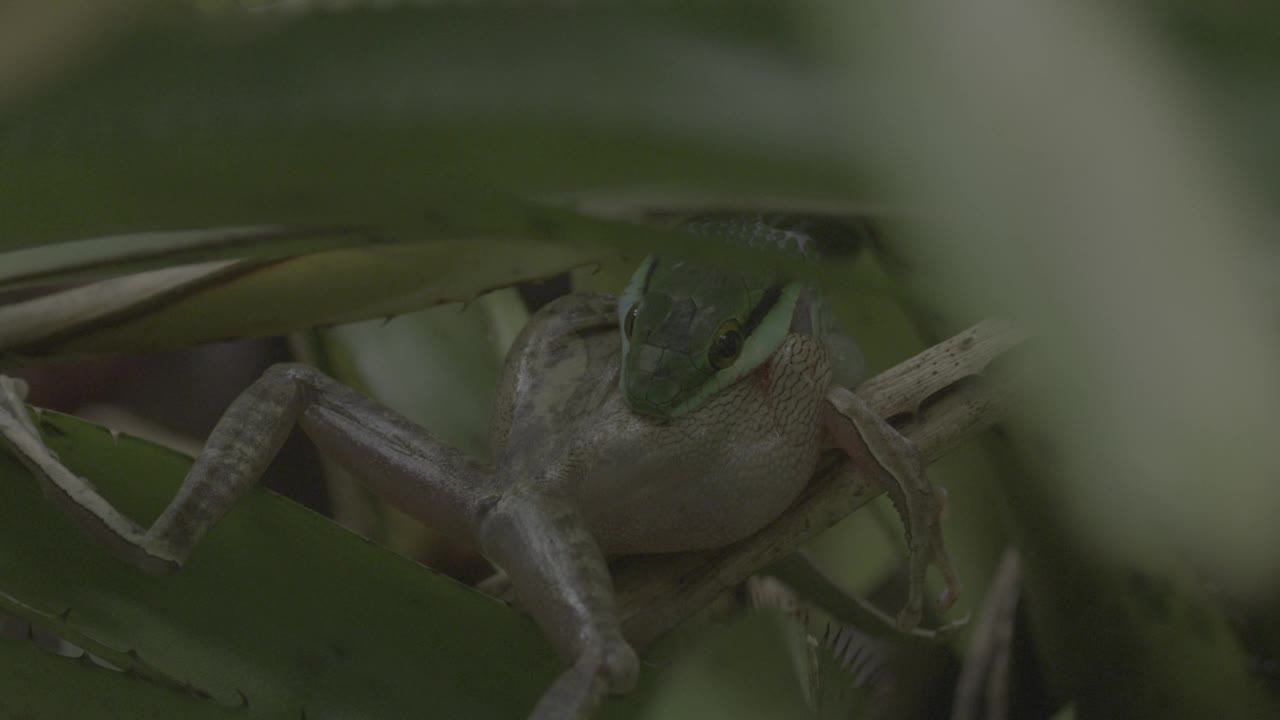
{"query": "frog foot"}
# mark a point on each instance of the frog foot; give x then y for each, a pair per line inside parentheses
(928, 548)
(896, 465)
(613, 668)
(941, 559)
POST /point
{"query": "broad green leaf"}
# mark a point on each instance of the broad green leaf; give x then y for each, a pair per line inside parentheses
(1112, 228)
(40, 685)
(277, 607)
(416, 120)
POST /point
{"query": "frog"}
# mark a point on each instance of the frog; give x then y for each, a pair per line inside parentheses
(682, 415)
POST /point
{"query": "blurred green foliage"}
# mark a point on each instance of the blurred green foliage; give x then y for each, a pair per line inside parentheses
(1107, 176)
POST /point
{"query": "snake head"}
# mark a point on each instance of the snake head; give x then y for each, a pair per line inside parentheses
(689, 331)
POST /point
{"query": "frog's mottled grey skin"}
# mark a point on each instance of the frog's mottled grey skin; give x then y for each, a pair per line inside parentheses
(575, 472)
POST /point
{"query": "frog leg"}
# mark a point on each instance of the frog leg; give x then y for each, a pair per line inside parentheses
(559, 573)
(395, 458)
(896, 465)
(543, 543)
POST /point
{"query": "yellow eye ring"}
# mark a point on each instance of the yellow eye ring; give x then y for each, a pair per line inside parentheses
(727, 346)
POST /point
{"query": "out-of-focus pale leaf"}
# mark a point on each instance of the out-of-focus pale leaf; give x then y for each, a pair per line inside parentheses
(38, 40)
(1109, 221)
(1081, 191)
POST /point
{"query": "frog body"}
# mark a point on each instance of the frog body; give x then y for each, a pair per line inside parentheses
(645, 484)
(685, 414)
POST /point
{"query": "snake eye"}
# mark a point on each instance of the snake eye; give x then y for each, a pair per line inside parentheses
(727, 345)
(629, 322)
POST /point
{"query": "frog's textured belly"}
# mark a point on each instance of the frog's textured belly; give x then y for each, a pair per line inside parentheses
(715, 475)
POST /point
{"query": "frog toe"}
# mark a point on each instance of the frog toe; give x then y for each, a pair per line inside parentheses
(613, 668)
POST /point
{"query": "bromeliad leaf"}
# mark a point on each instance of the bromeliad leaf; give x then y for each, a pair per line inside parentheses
(111, 256)
(231, 299)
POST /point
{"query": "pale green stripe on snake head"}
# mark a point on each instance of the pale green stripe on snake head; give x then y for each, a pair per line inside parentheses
(673, 314)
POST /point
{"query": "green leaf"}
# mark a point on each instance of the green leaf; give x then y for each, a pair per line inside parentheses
(228, 299)
(109, 256)
(40, 685)
(405, 120)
